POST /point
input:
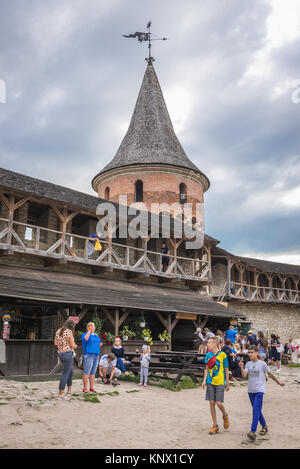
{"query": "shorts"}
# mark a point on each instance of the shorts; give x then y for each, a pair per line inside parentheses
(215, 392)
(90, 363)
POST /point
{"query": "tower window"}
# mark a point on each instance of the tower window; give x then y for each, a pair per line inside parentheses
(106, 193)
(139, 191)
(182, 193)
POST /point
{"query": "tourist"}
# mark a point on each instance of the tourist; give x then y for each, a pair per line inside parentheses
(231, 334)
(94, 245)
(216, 381)
(201, 340)
(145, 360)
(250, 338)
(256, 371)
(231, 355)
(119, 353)
(108, 370)
(262, 346)
(275, 354)
(165, 259)
(64, 341)
(91, 346)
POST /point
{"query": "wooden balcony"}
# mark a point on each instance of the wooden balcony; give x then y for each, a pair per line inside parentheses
(68, 247)
(261, 294)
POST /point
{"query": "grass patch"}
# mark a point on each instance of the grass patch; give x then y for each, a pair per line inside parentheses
(113, 393)
(293, 365)
(133, 390)
(131, 378)
(91, 398)
(184, 383)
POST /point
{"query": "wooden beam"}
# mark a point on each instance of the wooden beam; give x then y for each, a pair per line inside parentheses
(162, 319)
(109, 317)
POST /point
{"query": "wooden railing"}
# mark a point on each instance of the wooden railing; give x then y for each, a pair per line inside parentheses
(249, 292)
(31, 239)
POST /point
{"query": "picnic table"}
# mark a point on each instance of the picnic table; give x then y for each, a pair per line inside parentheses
(177, 364)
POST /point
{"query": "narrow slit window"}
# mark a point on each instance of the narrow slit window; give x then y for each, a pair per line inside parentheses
(182, 193)
(107, 193)
(139, 191)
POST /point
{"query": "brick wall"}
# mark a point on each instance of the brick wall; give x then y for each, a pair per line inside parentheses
(158, 187)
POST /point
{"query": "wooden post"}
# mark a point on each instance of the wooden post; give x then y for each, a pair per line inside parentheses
(229, 265)
(117, 321)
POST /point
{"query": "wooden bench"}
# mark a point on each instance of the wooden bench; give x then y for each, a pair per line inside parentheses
(164, 364)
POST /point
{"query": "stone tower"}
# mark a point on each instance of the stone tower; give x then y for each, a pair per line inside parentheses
(150, 165)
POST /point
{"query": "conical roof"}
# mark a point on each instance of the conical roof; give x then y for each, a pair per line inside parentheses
(150, 138)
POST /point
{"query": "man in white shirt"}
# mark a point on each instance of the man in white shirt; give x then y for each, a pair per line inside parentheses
(108, 370)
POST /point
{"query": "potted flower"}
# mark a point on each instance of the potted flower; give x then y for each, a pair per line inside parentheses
(126, 333)
(110, 338)
(147, 336)
(142, 322)
(164, 337)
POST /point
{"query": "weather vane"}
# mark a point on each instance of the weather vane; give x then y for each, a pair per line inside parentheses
(147, 37)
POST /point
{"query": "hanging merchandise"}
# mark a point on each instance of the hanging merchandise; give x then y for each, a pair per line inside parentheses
(6, 326)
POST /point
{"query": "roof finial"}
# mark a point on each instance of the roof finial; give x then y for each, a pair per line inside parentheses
(146, 37)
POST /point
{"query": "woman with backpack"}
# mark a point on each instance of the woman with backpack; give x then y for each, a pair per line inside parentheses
(276, 349)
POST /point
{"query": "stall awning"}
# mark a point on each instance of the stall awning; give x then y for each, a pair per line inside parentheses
(68, 288)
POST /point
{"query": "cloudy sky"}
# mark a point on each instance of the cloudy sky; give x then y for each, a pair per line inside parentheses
(230, 74)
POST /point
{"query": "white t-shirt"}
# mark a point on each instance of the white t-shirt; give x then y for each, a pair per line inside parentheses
(106, 364)
(256, 376)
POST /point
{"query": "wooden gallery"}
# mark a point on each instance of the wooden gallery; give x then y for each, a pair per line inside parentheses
(50, 268)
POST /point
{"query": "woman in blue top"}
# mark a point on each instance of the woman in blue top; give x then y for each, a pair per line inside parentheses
(91, 344)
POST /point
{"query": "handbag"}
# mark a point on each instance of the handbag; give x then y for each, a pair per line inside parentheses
(211, 362)
(280, 349)
(98, 246)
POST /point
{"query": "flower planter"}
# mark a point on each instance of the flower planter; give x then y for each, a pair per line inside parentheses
(142, 324)
(125, 338)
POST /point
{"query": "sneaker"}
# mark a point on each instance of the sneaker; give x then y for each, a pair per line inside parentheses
(226, 421)
(85, 390)
(251, 436)
(92, 390)
(145, 385)
(214, 430)
(140, 384)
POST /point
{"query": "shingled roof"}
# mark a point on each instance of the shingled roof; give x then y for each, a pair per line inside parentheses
(150, 138)
(70, 288)
(261, 264)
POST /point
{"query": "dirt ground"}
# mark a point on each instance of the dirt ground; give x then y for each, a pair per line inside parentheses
(153, 417)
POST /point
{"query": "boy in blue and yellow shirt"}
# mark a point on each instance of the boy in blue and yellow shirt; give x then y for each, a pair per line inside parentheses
(216, 381)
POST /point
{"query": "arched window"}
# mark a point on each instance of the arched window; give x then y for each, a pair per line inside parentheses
(106, 193)
(139, 191)
(182, 193)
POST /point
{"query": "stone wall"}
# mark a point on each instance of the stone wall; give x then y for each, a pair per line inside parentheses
(219, 277)
(271, 318)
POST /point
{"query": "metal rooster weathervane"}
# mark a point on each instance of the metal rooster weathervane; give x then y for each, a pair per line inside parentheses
(146, 37)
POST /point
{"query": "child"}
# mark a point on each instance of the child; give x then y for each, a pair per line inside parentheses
(216, 381)
(145, 360)
(119, 353)
(255, 370)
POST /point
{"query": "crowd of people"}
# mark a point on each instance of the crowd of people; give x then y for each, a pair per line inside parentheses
(236, 346)
(243, 355)
(110, 365)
